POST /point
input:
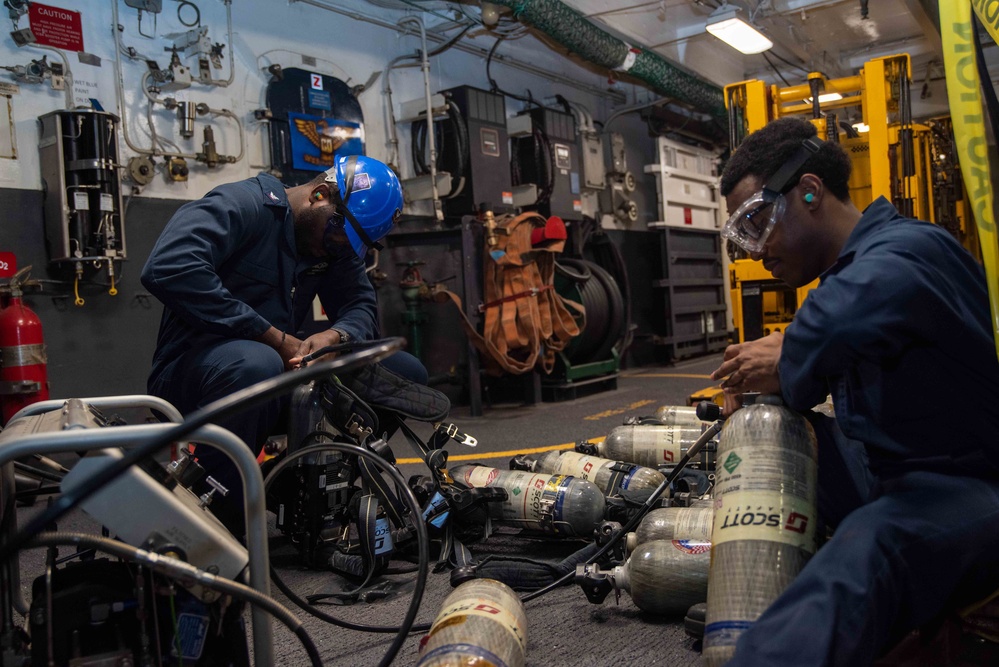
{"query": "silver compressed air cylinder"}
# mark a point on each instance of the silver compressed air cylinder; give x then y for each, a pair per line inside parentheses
(666, 576)
(553, 504)
(764, 524)
(648, 445)
(609, 476)
(673, 523)
(481, 622)
(678, 415)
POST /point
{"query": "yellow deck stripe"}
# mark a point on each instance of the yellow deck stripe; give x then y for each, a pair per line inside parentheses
(503, 454)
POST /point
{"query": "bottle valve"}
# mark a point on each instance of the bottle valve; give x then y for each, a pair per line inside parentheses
(206, 498)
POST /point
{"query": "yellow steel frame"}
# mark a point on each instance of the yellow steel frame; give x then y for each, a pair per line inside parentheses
(877, 89)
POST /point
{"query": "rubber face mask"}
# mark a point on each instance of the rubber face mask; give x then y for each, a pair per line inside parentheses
(750, 226)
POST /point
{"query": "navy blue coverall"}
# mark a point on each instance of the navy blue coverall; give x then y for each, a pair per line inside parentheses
(226, 269)
(899, 333)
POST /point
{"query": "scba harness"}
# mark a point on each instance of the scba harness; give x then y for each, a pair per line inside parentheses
(525, 320)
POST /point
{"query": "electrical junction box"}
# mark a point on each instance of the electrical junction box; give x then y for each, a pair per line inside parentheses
(592, 150)
(549, 158)
(687, 186)
(485, 177)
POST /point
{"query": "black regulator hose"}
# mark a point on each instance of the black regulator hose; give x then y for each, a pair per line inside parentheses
(694, 450)
(224, 407)
(179, 570)
(422, 541)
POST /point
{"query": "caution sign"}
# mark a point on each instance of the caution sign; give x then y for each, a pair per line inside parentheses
(52, 26)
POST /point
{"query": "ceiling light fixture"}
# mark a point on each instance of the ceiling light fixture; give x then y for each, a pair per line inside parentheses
(826, 97)
(725, 24)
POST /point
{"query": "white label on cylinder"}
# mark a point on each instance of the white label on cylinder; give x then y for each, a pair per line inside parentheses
(766, 493)
(694, 525)
(668, 439)
(481, 476)
(527, 496)
(579, 465)
(80, 201)
(476, 606)
(764, 515)
(107, 202)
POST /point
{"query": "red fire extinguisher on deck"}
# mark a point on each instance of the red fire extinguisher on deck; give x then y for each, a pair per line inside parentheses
(23, 374)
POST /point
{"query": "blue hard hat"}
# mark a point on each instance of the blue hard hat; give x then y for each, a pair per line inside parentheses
(369, 197)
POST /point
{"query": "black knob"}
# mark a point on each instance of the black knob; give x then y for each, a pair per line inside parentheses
(708, 411)
(460, 575)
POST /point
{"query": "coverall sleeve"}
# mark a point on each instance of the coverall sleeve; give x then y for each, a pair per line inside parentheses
(886, 300)
(183, 268)
(348, 297)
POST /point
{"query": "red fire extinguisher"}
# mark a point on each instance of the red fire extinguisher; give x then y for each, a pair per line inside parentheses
(23, 374)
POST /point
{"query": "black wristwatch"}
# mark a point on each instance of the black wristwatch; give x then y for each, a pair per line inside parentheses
(344, 336)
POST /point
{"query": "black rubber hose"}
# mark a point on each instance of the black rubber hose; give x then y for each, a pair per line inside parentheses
(544, 156)
(177, 569)
(461, 148)
(422, 541)
(609, 256)
(604, 310)
(597, 320)
(592, 297)
(594, 301)
(417, 146)
(224, 407)
(851, 131)
(616, 322)
(574, 276)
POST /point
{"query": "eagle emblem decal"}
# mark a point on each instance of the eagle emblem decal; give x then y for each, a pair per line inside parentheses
(327, 138)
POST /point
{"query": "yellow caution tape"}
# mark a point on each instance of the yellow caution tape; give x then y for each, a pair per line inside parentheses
(964, 95)
(988, 14)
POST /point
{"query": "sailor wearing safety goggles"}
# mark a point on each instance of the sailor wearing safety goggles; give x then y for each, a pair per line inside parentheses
(898, 327)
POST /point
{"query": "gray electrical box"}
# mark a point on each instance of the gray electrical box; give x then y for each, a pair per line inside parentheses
(592, 150)
(549, 158)
(486, 172)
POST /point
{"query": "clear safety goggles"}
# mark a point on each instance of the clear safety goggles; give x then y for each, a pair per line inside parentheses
(335, 223)
(752, 222)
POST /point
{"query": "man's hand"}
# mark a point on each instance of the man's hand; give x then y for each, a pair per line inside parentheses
(750, 366)
(316, 342)
(288, 348)
(286, 345)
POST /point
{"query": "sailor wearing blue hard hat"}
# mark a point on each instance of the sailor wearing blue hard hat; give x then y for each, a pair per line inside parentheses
(238, 271)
